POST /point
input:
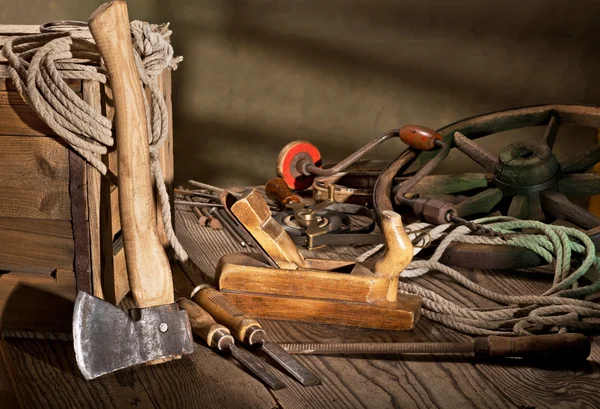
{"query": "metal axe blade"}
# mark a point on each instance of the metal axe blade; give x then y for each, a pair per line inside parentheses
(107, 339)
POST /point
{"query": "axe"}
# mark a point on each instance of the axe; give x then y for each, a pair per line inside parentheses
(106, 338)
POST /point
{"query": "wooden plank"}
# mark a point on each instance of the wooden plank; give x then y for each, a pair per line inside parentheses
(35, 178)
(8, 397)
(17, 118)
(91, 95)
(115, 221)
(79, 216)
(45, 375)
(36, 243)
(120, 281)
(36, 302)
(166, 158)
(6, 83)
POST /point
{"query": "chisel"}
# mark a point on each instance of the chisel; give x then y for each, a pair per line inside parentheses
(218, 337)
(567, 347)
(248, 330)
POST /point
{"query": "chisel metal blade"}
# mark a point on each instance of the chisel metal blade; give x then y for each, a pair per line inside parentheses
(254, 365)
(290, 364)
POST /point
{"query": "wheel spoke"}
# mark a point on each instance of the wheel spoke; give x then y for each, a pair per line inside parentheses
(584, 184)
(557, 205)
(581, 162)
(448, 184)
(551, 131)
(526, 207)
(475, 152)
(482, 202)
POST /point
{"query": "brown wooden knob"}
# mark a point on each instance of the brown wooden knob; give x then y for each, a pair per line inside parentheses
(419, 137)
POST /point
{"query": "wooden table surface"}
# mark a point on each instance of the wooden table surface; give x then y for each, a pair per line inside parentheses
(43, 373)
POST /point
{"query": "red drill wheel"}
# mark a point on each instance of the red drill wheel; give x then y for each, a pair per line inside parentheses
(288, 160)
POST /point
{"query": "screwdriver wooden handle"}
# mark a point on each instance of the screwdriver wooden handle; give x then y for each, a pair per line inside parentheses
(554, 347)
(203, 325)
(225, 313)
(147, 264)
(419, 137)
(278, 191)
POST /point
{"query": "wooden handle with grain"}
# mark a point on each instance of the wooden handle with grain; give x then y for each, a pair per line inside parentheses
(225, 312)
(203, 324)
(278, 191)
(566, 347)
(147, 264)
(398, 252)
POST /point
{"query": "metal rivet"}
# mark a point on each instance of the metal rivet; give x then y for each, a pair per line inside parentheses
(163, 327)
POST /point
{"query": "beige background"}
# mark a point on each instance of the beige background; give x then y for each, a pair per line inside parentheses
(258, 74)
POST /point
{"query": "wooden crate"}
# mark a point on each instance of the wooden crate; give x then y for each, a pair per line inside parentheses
(59, 219)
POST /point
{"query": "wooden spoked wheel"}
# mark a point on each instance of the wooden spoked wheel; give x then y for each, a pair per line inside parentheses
(525, 180)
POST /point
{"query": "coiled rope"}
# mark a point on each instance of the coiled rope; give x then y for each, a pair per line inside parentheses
(39, 66)
(558, 307)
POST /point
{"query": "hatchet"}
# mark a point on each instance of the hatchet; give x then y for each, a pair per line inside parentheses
(106, 338)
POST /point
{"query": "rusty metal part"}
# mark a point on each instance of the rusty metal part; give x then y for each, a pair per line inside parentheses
(236, 236)
(63, 25)
(567, 347)
(197, 204)
(306, 167)
(213, 222)
(194, 193)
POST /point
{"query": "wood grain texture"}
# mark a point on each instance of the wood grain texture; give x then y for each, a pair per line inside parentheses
(59, 383)
(35, 178)
(36, 243)
(147, 264)
(79, 221)
(166, 158)
(92, 96)
(8, 398)
(37, 301)
(17, 118)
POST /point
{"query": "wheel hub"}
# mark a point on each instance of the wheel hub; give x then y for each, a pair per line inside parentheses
(526, 167)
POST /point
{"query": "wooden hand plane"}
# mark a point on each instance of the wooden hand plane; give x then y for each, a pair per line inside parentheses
(281, 284)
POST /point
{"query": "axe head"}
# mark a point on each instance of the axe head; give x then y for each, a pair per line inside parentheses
(106, 339)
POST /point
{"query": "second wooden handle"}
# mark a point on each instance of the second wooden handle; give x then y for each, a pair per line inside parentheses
(147, 264)
(225, 313)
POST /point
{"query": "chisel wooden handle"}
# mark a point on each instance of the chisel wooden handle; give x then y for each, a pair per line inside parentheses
(278, 191)
(554, 347)
(204, 326)
(147, 264)
(226, 313)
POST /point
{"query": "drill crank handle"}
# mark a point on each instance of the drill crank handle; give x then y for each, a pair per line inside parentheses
(244, 328)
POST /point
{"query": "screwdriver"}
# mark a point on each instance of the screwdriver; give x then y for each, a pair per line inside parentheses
(565, 347)
(218, 337)
(247, 330)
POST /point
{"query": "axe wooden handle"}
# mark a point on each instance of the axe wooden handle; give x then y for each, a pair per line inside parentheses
(147, 264)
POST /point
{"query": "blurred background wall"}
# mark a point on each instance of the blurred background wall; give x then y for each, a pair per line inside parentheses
(258, 74)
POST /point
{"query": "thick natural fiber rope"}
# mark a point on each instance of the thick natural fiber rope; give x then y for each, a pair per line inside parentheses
(522, 314)
(38, 68)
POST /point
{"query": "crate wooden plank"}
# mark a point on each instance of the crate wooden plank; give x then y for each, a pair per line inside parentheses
(35, 178)
(25, 298)
(36, 243)
(17, 118)
(6, 83)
